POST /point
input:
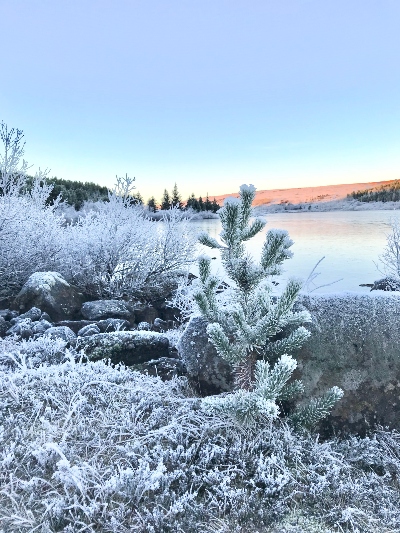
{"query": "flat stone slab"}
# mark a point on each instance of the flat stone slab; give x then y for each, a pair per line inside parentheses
(128, 347)
(355, 344)
(100, 309)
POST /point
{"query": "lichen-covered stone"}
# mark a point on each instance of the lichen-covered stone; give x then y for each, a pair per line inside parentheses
(210, 373)
(41, 326)
(101, 309)
(113, 324)
(61, 332)
(51, 293)
(34, 314)
(128, 347)
(165, 368)
(89, 330)
(22, 328)
(355, 344)
(4, 327)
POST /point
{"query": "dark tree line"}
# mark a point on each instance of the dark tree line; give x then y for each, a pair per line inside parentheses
(76, 193)
(383, 193)
(175, 200)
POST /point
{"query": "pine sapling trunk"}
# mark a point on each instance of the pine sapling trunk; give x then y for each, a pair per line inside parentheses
(244, 372)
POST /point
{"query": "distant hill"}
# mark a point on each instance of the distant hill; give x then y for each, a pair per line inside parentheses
(323, 193)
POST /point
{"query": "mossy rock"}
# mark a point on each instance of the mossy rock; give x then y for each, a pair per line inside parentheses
(128, 347)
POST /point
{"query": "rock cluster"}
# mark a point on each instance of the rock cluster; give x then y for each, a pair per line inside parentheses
(48, 306)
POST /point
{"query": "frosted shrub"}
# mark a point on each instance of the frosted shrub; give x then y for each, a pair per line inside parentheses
(29, 229)
(390, 258)
(15, 353)
(99, 448)
(116, 251)
(244, 329)
(110, 251)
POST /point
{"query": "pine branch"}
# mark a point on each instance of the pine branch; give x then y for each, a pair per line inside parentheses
(291, 343)
(253, 229)
(270, 382)
(275, 250)
(204, 268)
(221, 342)
(317, 409)
(206, 240)
(291, 390)
(246, 194)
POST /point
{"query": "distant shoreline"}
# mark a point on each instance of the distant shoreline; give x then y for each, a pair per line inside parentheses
(321, 207)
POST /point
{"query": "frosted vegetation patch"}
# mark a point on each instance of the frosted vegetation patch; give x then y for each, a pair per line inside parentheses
(112, 251)
(107, 449)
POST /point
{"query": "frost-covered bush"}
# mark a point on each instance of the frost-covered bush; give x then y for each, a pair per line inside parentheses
(390, 258)
(116, 251)
(31, 353)
(112, 250)
(95, 448)
(29, 229)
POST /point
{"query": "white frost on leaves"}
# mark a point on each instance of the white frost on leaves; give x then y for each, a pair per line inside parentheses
(46, 280)
(87, 442)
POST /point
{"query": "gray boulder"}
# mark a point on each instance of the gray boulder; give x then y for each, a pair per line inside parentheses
(128, 347)
(386, 284)
(160, 325)
(52, 294)
(34, 314)
(7, 314)
(145, 313)
(210, 373)
(23, 328)
(165, 368)
(75, 325)
(355, 344)
(87, 331)
(113, 324)
(101, 309)
(41, 326)
(4, 327)
(61, 332)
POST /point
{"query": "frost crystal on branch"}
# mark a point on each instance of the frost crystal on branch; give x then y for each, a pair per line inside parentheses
(244, 330)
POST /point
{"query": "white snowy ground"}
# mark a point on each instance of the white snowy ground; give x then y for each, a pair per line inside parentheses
(88, 447)
(335, 205)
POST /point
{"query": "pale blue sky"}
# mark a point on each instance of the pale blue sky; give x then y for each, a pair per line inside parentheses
(209, 94)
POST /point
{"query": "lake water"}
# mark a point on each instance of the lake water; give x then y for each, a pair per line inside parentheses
(350, 241)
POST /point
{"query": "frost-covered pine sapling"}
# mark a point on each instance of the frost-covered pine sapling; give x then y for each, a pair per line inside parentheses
(244, 330)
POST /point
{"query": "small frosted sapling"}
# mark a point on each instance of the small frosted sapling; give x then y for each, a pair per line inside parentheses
(244, 326)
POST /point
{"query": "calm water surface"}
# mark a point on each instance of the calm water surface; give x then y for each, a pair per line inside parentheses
(350, 241)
